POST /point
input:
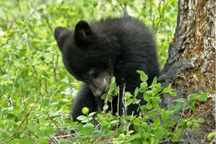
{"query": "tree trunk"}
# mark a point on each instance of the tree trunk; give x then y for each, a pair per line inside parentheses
(190, 66)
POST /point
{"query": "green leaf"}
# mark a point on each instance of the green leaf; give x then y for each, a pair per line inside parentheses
(159, 133)
(143, 87)
(182, 100)
(171, 107)
(155, 105)
(96, 134)
(129, 102)
(173, 94)
(14, 141)
(91, 114)
(202, 97)
(146, 135)
(109, 133)
(88, 128)
(156, 122)
(46, 131)
(63, 142)
(105, 107)
(155, 99)
(196, 126)
(146, 97)
(154, 82)
(4, 134)
(43, 141)
(167, 89)
(201, 120)
(189, 123)
(33, 128)
(104, 123)
(104, 96)
(26, 141)
(113, 80)
(82, 117)
(211, 135)
(80, 128)
(159, 87)
(136, 91)
(114, 122)
(170, 123)
(179, 131)
(149, 106)
(209, 90)
(143, 76)
(81, 136)
(153, 113)
(154, 91)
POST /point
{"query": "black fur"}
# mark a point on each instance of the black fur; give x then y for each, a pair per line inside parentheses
(114, 46)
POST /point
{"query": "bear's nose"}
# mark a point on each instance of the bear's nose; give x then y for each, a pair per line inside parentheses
(97, 93)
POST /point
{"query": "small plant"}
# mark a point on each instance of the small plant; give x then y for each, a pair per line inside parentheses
(156, 124)
(153, 125)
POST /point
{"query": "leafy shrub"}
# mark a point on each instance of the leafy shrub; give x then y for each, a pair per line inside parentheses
(154, 124)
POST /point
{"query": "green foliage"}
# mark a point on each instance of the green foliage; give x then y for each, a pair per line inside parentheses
(154, 125)
(31, 69)
(211, 135)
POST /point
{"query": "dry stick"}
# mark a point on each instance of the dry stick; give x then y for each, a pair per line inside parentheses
(124, 107)
(35, 8)
(59, 130)
(31, 106)
(183, 110)
(118, 104)
(131, 119)
(125, 11)
(54, 139)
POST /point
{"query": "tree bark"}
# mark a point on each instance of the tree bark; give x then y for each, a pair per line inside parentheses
(191, 64)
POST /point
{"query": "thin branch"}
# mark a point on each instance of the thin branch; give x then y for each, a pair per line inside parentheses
(35, 8)
(125, 11)
(20, 9)
(31, 106)
(59, 130)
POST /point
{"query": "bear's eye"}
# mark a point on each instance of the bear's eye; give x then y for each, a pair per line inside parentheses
(91, 74)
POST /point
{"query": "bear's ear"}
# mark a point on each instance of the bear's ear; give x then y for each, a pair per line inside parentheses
(58, 31)
(61, 35)
(82, 31)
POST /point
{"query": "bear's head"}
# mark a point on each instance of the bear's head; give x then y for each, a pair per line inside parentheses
(88, 55)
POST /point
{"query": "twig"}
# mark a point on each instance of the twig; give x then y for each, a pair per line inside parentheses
(131, 119)
(54, 139)
(124, 101)
(20, 9)
(185, 104)
(118, 103)
(59, 130)
(125, 11)
(31, 106)
(35, 8)
(47, 20)
(170, 141)
(202, 114)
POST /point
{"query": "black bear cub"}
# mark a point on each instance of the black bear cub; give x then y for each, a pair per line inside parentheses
(94, 52)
